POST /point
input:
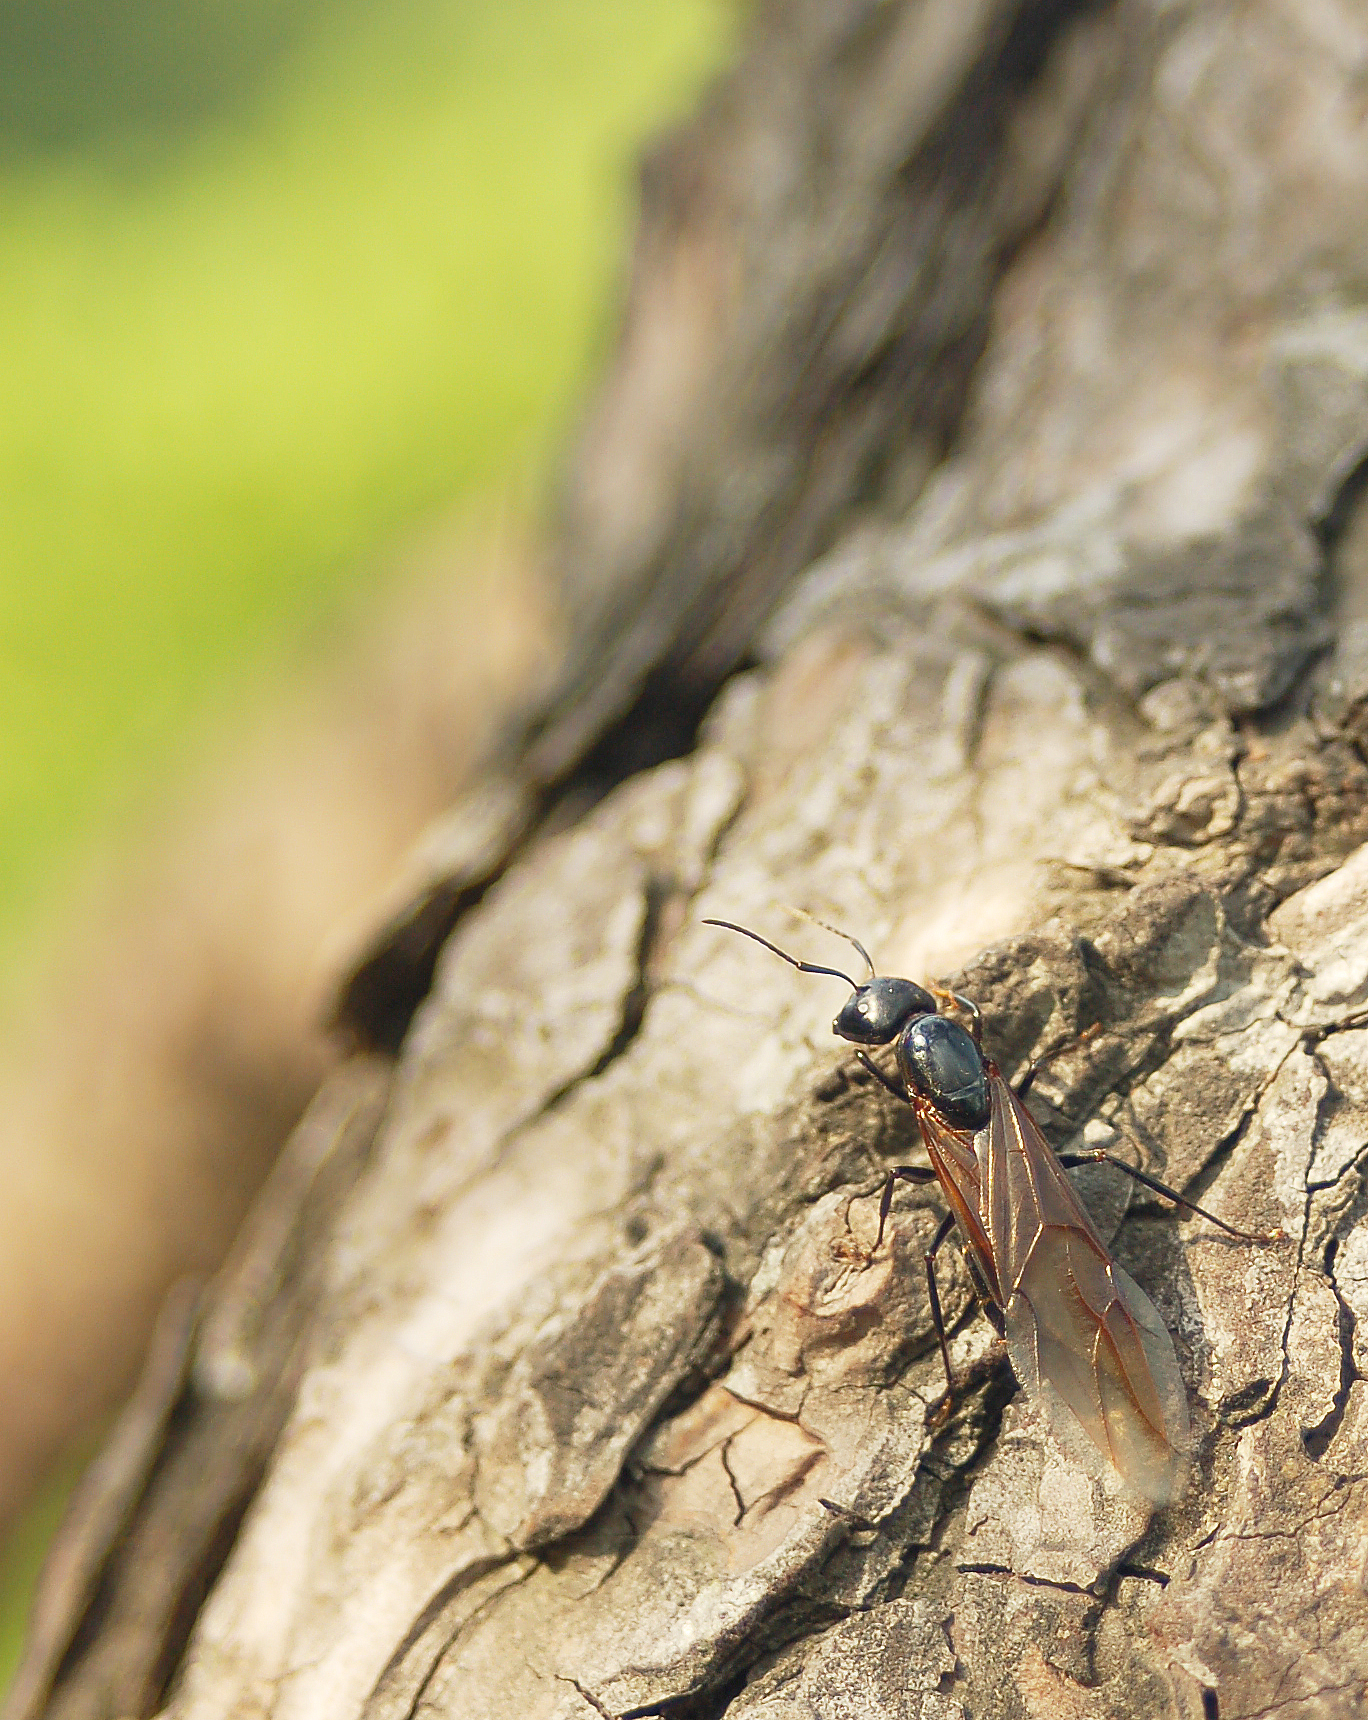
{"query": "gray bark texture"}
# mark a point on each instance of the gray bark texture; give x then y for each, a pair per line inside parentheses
(969, 546)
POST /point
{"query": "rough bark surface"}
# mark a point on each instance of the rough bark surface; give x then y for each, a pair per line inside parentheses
(985, 454)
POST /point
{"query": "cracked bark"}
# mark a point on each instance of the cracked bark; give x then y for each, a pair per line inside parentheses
(983, 464)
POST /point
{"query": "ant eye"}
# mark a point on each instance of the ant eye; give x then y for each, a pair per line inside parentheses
(863, 1006)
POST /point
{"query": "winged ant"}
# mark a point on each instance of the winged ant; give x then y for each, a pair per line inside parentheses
(1078, 1328)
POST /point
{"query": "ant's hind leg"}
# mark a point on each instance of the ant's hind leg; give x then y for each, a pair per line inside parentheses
(1100, 1156)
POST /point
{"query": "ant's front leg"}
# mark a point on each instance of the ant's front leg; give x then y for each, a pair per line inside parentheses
(898, 1091)
(1036, 1064)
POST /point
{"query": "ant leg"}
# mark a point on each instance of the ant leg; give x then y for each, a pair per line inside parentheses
(964, 1005)
(937, 1318)
(884, 1080)
(1100, 1156)
(1036, 1064)
(914, 1174)
(922, 1174)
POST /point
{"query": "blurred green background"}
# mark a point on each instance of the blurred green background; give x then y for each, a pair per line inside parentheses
(275, 283)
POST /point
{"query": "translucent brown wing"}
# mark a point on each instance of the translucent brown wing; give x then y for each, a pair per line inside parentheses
(1078, 1328)
(954, 1158)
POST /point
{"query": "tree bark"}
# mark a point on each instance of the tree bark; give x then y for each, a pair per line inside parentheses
(969, 546)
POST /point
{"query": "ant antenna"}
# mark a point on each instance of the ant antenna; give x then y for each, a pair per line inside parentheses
(836, 932)
(803, 967)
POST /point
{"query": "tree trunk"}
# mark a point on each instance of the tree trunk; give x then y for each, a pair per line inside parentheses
(969, 546)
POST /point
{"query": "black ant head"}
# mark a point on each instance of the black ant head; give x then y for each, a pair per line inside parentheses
(881, 1006)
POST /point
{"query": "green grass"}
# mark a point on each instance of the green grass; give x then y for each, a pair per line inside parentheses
(234, 369)
(240, 355)
(21, 1556)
